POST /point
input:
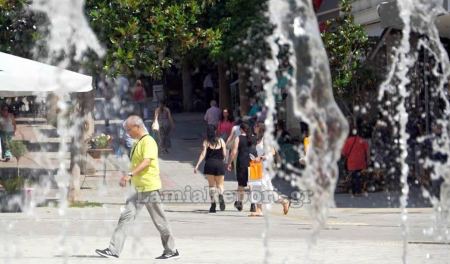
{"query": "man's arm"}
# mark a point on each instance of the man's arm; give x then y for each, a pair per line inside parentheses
(230, 137)
(140, 167)
(234, 151)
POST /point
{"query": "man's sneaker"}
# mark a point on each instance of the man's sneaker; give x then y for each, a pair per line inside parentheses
(173, 255)
(106, 253)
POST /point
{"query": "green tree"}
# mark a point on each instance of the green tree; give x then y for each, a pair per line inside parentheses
(244, 27)
(21, 30)
(346, 43)
(148, 36)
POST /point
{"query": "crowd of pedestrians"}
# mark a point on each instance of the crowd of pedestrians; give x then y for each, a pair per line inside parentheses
(233, 145)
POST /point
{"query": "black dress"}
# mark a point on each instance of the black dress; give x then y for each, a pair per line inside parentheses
(214, 164)
(245, 148)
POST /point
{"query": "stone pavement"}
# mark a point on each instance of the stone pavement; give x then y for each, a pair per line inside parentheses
(48, 235)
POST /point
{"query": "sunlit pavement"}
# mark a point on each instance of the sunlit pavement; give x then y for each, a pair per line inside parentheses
(351, 236)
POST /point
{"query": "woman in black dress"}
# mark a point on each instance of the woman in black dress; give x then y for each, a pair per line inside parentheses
(242, 148)
(214, 152)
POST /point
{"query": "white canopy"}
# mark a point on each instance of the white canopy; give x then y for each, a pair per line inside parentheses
(22, 77)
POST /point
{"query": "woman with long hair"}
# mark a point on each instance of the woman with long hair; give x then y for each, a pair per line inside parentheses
(242, 148)
(266, 157)
(225, 124)
(166, 124)
(214, 152)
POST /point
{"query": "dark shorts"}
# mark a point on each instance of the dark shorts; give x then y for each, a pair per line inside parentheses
(242, 175)
(214, 167)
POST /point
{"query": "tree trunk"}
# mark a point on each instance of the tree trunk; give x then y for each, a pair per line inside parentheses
(187, 84)
(85, 106)
(243, 93)
(224, 88)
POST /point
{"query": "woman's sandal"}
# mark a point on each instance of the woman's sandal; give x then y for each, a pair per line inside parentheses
(255, 215)
(258, 213)
(286, 206)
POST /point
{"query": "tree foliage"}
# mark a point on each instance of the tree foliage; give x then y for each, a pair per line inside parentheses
(346, 43)
(244, 27)
(149, 35)
(21, 30)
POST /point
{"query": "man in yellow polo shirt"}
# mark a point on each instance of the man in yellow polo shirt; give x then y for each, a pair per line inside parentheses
(144, 176)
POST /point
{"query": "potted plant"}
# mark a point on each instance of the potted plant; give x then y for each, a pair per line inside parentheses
(98, 145)
(12, 200)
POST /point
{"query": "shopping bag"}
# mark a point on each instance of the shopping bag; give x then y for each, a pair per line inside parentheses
(155, 125)
(255, 171)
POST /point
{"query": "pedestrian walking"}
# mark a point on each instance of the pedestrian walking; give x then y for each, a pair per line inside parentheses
(356, 151)
(139, 98)
(7, 131)
(144, 176)
(214, 153)
(265, 187)
(212, 115)
(166, 125)
(235, 132)
(242, 148)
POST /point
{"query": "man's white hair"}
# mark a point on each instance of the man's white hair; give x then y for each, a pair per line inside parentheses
(134, 120)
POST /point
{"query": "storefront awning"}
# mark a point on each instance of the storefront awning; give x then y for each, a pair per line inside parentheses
(23, 77)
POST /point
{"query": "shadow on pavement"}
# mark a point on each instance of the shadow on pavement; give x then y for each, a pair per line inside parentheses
(206, 212)
(81, 256)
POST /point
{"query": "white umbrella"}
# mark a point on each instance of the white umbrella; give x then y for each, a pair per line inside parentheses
(22, 77)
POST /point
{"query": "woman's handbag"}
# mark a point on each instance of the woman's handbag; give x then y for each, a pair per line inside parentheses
(255, 171)
(155, 125)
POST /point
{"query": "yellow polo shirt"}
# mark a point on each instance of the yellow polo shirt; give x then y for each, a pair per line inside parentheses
(148, 179)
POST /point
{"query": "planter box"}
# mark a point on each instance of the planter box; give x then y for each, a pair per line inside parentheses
(97, 153)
